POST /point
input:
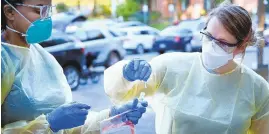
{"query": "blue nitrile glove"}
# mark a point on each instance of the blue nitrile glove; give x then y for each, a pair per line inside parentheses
(137, 70)
(136, 108)
(68, 116)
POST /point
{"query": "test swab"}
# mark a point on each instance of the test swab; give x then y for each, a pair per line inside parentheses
(141, 98)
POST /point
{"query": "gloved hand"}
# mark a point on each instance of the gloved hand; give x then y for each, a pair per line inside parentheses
(68, 116)
(137, 70)
(136, 108)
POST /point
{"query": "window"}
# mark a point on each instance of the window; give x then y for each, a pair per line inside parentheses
(144, 32)
(153, 33)
(55, 41)
(80, 34)
(113, 34)
(185, 32)
(94, 35)
(185, 4)
(201, 26)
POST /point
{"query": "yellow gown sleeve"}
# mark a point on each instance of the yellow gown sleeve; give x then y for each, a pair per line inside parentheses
(7, 74)
(260, 121)
(41, 126)
(120, 90)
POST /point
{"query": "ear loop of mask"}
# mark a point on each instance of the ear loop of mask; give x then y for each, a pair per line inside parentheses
(244, 53)
(21, 15)
(16, 31)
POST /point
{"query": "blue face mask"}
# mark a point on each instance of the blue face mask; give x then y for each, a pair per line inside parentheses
(39, 30)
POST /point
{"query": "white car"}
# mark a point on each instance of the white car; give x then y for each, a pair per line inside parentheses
(139, 39)
(102, 46)
(127, 24)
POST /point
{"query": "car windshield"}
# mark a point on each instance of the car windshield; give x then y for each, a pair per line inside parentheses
(192, 25)
(171, 31)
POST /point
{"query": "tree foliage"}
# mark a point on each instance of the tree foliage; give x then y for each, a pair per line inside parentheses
(61, 7)
(127, 9)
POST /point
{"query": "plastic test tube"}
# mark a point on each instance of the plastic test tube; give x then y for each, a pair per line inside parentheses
(142, 96)
(145, 84)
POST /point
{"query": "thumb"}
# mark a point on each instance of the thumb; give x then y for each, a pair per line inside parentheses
(130, 65)
(131, 105)
(82, 106)
(135, 102)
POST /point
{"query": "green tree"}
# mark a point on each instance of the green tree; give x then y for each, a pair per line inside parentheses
(215, 3)
(127, 9)
(106, 10)
(61, 7)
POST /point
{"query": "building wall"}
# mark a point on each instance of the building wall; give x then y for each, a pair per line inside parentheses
(82, 2)
(249, 5)
(195, 8)
(163, 7)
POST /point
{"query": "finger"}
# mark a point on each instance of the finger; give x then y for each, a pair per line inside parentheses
(135, 102)
(147, 75)
(75, 112)
(136, 64)
(130, 65)
(73, 102)
(144, 103)
(80, 120)
(131, 105)
(124, 118)
(136, 114)
(138, 72)
(134, 120)
(144, 72)
(141, 109)
(83, 112)
(81, 106)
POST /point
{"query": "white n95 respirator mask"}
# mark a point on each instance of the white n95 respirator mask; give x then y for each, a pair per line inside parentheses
(213, 56)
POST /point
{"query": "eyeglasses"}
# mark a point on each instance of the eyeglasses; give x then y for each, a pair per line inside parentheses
(228, 47)
(45, 10)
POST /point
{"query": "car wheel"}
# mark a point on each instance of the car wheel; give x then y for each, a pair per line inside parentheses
(112, 59)
(95, 78)
(161, 52)
(188, 48)
(73, 76)
(140, 49)
(83, 81)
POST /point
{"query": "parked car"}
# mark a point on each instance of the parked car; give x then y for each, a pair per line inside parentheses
(173, 38)
(128, 24)
(139, 39)
(194, 26)
(69, 52)
(63, 20)
(266, 36)
(102, 46)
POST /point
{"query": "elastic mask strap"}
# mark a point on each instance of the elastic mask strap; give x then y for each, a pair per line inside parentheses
(18, 11)
(15, 31)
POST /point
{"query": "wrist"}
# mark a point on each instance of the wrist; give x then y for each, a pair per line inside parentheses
(113, 111)
(50, 126)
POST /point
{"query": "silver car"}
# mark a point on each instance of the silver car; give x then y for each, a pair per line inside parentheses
(102, 46)
(195, 26)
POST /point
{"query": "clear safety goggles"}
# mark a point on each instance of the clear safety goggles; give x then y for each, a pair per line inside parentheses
(227, 47)
(45, 10)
